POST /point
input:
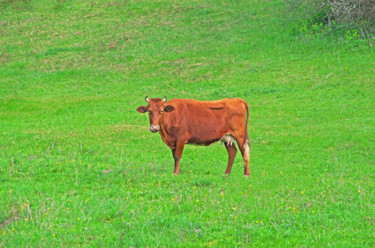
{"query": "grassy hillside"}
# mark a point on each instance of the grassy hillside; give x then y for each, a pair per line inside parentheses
(79, 167)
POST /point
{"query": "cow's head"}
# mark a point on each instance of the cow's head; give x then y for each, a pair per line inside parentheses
(155, 108)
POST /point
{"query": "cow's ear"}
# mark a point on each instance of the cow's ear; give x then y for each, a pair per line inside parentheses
(168, 108)
(142, 109)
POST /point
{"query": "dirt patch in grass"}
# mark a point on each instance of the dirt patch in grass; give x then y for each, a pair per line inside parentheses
(14, 215)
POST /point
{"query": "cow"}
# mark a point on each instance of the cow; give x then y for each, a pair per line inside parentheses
(187, 121)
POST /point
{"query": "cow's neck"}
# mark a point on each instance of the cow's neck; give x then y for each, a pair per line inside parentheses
(166, 138)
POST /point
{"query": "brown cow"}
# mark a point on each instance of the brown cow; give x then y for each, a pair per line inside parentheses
(186, 121)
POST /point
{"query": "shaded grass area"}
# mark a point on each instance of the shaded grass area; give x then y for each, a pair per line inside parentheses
(79, 167)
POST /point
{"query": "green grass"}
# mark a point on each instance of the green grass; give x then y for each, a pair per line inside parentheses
(79, 167)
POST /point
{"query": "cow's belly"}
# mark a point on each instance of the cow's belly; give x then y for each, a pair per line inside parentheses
(199, 141)
(206, 132)
(206, 138)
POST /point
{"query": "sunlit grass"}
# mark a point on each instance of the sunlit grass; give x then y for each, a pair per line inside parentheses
(78, 166)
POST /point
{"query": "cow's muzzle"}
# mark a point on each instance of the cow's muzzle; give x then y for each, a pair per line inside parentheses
(155, 129)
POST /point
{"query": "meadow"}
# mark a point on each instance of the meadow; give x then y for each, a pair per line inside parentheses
(79, 166)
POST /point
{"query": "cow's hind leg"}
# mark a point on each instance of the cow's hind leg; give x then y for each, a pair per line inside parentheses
(244, 147)
(231, 148)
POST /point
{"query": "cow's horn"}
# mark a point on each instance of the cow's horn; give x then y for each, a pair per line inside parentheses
(165, 99)
(146, 99)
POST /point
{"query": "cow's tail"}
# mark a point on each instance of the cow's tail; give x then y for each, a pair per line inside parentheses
(247, 141)
(246, 145)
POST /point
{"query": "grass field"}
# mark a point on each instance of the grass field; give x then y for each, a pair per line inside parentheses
(79, 167)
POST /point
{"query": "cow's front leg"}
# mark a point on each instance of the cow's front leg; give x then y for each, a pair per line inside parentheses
(177, 153)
